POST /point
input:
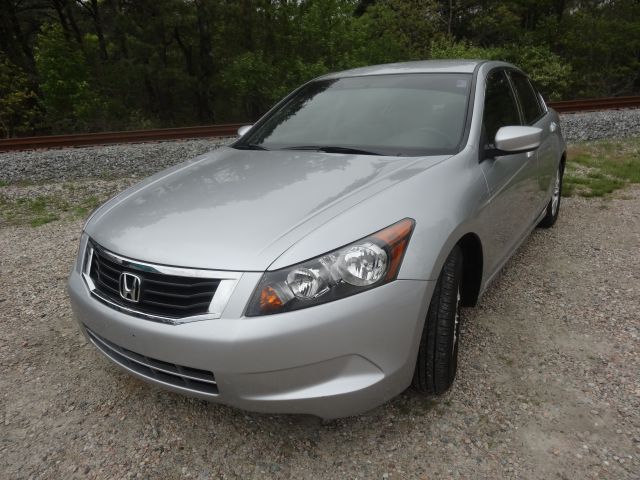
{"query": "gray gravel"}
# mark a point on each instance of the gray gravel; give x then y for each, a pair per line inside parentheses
(107, 161)
(548, 387)
(604, 124)
(139, 160)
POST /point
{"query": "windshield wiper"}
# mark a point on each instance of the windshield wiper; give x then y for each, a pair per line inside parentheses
(333, 149)
(250, 146)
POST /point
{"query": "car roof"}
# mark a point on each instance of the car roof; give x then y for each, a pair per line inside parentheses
(424, 66)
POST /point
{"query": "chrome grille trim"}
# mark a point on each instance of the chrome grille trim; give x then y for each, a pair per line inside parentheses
(186, 379)
(169, 270)
(227, 283)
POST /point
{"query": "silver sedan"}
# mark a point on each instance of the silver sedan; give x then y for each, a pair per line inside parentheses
(318, 264)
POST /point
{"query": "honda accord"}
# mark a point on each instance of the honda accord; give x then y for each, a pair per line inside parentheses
(318, 263)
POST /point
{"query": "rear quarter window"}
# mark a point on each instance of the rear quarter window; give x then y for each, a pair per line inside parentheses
(528, 97)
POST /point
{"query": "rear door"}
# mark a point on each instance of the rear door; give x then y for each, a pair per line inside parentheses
(512, 179)
(535, 115)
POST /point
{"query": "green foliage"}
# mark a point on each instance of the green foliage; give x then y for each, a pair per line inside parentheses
(19, 109)
(40, 214)
(27, 209)
(498, 24)
(69, 101)
(601, 40)
(162, 63)
(252, 79)
(448, 48)
(547, 70)
(32, 211)
(598, 168)
(401, 30)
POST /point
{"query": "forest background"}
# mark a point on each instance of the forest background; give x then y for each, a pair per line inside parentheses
(94, 65)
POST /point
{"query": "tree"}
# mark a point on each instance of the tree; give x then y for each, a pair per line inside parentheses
(19, 109)
(601, 40)
(119, 64)
(68, 100)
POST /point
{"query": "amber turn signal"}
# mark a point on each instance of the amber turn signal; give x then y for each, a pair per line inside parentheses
(396, 237)
(269, 300)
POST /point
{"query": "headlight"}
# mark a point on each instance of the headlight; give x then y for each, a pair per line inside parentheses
(360, 266)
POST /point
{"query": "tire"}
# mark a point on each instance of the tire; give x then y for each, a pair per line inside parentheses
(437, 361)
(553, 207)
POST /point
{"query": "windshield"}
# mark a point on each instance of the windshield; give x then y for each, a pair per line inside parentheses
(409, 114)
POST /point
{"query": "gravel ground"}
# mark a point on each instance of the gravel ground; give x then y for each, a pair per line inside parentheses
(140, 160)
(604, 124)
(106, 161)
(548, 386)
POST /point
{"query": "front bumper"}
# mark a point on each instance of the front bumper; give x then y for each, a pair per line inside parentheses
(333, 360)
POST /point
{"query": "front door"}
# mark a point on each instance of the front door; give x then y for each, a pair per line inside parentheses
(535, 115)
(512, 179)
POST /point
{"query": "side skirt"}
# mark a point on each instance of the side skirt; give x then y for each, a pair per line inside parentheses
(518, 244)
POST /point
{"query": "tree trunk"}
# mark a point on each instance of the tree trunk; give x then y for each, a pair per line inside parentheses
(97, 21)
(119, 31)
(13, 41)
(94, 12)
(205, 94)
(187, 52)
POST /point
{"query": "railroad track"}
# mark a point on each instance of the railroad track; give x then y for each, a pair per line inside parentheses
(132, 136)
(229, 130)
(594, 104)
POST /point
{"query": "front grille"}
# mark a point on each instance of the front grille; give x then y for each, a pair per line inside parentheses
(163, 295)
(193, 379)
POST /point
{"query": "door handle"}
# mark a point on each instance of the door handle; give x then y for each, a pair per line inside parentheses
(553, 127)
(530, 153)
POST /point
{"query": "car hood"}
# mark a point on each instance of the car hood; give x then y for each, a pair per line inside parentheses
(238, 209)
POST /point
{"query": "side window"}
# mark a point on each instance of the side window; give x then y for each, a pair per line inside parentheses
(500, 109)
(543, 103)
(528, 98)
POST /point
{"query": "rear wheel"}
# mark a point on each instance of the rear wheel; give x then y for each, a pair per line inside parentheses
(437, 361)
(553, 207)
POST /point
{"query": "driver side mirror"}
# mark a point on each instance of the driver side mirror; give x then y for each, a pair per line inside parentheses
(515, 139)
(244, 129)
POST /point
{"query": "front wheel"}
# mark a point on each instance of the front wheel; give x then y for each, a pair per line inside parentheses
(437, 361)
(553, 207)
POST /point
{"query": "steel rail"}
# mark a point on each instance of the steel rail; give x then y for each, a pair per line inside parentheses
(133, 136)
(229, 130)
(594, 104)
